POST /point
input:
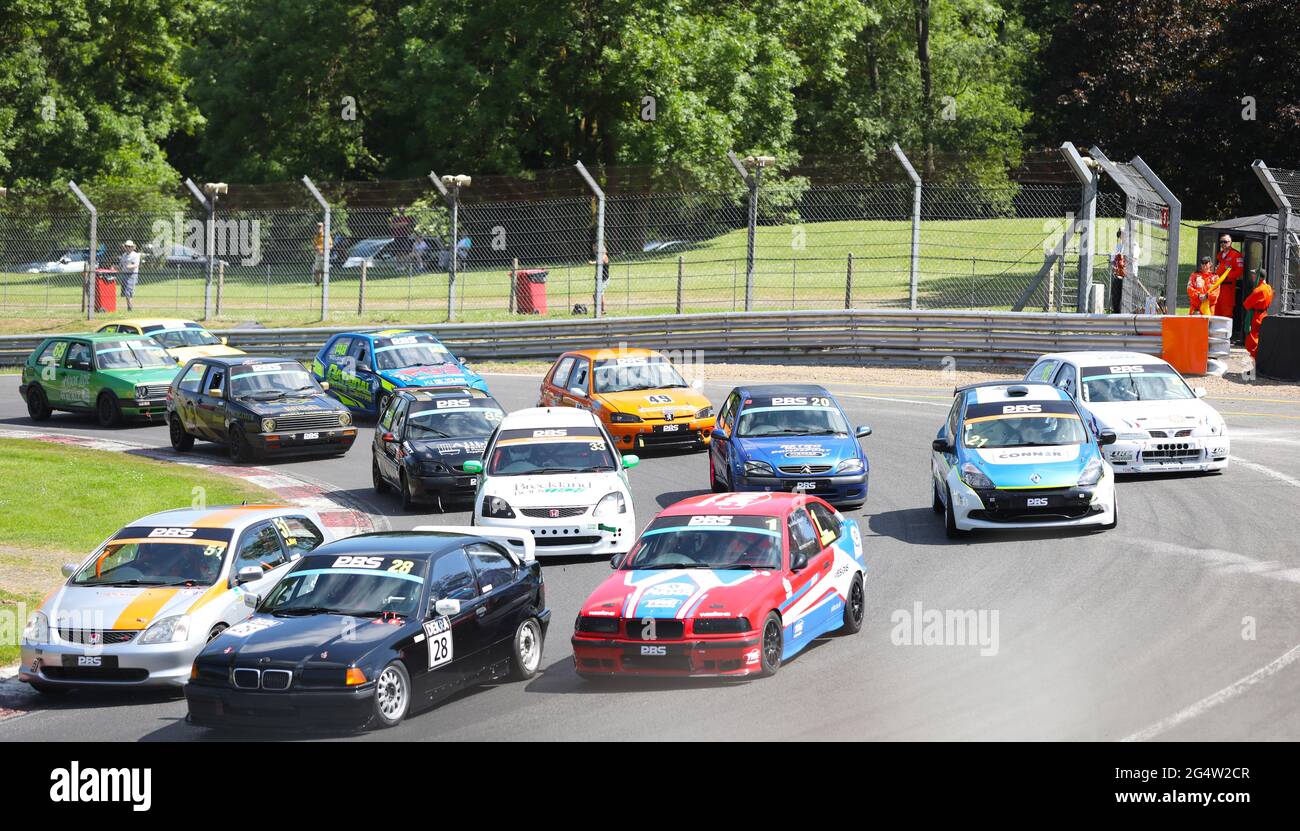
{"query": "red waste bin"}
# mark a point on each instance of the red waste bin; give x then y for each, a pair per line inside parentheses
(530, 291)
(105, 290)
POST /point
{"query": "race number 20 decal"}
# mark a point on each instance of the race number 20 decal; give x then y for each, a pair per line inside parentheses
(437, 633)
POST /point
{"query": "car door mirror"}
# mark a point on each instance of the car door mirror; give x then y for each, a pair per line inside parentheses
(941, 446)
(1199, 392)
(448, 607)
(1106, 437)
(862, 432)
(631, 461)
(215, 392)
(578, 392)
(472, 466)
(798, 561)
(248, 574)
(69, 569)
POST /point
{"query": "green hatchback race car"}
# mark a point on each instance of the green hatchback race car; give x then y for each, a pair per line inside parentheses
(114, 376)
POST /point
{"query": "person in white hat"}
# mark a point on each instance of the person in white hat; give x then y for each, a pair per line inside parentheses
(128, 265)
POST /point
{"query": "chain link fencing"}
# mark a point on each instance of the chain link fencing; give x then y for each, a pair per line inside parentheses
(1283, 187)
(828, 233)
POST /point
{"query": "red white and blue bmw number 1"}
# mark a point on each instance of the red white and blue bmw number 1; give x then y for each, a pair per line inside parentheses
(728, 584)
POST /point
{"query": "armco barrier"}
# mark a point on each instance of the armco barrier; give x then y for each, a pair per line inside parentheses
(899, 337)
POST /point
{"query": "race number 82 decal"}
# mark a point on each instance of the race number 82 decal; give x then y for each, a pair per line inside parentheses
(437, 634)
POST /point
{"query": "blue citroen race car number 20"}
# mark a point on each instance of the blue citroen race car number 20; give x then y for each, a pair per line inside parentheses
(363, 368)
(788, 437)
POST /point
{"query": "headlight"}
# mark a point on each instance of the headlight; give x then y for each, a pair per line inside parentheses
(498, 508)
(602, 625)
(37, 629)
(721, 625)
(759, 468)
(268, 425)
(168, 630)
(141, 391)
(610, 504)
(345, 419)
(1132, 436)
(624, 418)
(430, 468)
(1091, 473)
(850, 466)
(975, 477)
(707, 412)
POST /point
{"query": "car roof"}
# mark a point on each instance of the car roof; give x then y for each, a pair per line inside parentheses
(548, 417)
(743, 504)
(240, 360)
(165, 322)
(224, 516)
(1103, 357)
(992, 392)
(413, 544)
(607, 354)
(435, 393)
(382, 333)
(96, 337)
(778, 390)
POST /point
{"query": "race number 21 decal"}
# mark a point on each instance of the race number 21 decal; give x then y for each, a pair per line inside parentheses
(438, 635)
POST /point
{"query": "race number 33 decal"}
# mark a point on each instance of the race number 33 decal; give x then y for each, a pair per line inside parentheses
(437, 634)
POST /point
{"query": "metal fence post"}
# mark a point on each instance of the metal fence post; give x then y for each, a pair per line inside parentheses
(848, 283)
(1171, 232)
(914, 271)
(751, 172)
(681, 273)
(599, 295)
(92, 254)
(452, 198)
(207, 241)
(325, 249)
(1278, 265)
(1086, 171)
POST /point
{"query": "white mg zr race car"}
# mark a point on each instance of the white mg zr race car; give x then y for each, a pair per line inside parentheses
(554, 471)
(1160, 423)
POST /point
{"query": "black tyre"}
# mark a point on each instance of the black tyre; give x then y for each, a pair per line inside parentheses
(404, 493)
(950, 520)
(181, 440)
(50, 689)
(526, 650)
(855, 607)
(381, 404)
(936, 501)
(771, 646)
(377, 478)
(240, 450)
(38, 406)
(108, 410)
(392, 696)
(715, 484)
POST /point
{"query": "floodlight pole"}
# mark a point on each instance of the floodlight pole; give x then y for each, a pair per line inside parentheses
(209, 205)
(1171, 229)
(915, 267)
(1090, 179)
(92, 254)
(600, 238)
(1277, 264)
(325, 248)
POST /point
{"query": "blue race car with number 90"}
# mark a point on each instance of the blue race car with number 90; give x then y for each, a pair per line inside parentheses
(788, 437)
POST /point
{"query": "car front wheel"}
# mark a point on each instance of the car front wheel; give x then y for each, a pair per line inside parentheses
(772, 646)
(392, 695)
(108, 410)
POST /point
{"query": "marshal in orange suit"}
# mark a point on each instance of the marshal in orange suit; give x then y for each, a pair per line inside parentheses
(1257, 306)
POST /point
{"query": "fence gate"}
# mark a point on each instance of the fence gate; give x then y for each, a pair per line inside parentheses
(1283, 188)
(1151, 219)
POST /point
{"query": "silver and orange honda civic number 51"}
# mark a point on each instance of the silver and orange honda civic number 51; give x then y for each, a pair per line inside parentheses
(137, 610)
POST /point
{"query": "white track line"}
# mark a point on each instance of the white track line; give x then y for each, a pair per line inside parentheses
(1267, 471)
(1210, 701)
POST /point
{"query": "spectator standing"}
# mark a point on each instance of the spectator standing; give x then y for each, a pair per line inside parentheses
(318, 268)
(128, 267)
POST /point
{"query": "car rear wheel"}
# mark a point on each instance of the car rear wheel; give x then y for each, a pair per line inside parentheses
(108, 410)
(855, 607)
(772, 646)
(526, 655)
(392, 695)
(376, 478)
(240, 449)
(38, 406)
(181, 440)
(950, 520)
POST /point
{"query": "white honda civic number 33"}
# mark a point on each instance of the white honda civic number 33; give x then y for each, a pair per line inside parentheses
(1161, 424)
(554, 471)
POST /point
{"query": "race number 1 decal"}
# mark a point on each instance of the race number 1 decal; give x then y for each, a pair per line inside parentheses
(438, 635)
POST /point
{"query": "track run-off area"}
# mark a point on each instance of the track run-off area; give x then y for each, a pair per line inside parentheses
(1183, 623)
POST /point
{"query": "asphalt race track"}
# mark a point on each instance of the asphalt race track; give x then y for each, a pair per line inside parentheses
(1133, 633)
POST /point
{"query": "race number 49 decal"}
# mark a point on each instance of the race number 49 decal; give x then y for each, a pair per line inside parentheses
(437, 633)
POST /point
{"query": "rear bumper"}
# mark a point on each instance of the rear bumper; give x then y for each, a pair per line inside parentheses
(226, 707)
(733, 656)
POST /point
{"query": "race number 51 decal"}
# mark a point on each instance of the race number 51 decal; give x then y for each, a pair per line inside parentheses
(437, 633)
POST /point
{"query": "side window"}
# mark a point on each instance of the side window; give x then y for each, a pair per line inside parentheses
(216, 379)
(580, 371)
(190, 381)
(360, 353)
(728, 414)
(260, 546)
(1042, 372)
(386, 420)
(494, 568)
(451, 578)
(339, 348)
(560, 377)
(399, 416)
(954, 419)
(825, 524)
(1067, 379)
(803, 537)
(299, 534)
(78, 356)
(53, 352)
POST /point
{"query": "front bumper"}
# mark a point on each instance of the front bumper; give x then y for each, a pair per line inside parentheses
(148, 409)
(338, 440)
(151, 665)
(445, 486)
(837, 490)
(570, 536)
(650, 434)
(1062, 507)
(720, 656)
(226, 707)
(1160, 455)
